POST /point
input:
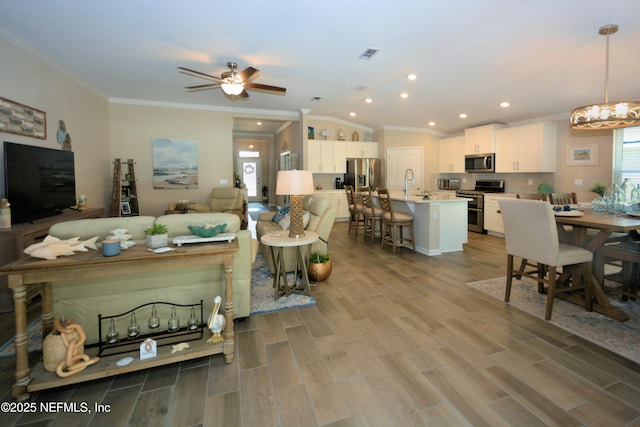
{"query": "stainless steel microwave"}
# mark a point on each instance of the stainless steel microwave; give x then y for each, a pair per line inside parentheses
(475, 163)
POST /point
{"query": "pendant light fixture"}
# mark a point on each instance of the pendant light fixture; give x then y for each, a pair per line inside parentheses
(606, 115)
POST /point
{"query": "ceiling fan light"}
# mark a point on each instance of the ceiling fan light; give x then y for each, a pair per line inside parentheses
(606, 115)
(232, 88)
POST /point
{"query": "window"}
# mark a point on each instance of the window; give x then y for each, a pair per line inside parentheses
(626, 155)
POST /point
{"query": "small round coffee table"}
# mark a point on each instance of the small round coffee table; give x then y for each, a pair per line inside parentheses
(277, 242)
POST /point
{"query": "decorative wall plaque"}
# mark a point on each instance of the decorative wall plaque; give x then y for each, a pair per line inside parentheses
(21, 119)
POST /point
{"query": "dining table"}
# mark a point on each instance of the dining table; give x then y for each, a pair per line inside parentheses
(605, 225)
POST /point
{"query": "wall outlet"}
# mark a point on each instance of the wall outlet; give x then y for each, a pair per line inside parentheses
(224, 181)
(578, 182)
(530, 182)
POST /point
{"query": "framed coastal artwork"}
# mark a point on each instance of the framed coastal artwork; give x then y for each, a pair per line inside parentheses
(21, 119)
(583, 155)
(175, 164)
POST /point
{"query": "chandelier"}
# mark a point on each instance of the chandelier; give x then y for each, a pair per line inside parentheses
(606, 115)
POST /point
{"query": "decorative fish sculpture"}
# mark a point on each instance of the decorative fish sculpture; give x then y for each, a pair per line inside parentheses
(53, 247)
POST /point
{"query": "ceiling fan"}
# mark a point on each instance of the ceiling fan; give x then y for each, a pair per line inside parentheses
(232, 82)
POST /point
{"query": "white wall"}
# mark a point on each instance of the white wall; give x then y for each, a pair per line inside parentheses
(29, 81)
(134, 126)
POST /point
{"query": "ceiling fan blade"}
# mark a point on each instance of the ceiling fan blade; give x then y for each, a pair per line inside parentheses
(248, 74)
(265, 87)
(199, 74)
(207, 86)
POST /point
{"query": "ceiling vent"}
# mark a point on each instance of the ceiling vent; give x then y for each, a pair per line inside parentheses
(361, 87)
(369, 53)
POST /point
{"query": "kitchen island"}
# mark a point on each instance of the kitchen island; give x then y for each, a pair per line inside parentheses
(440, 222)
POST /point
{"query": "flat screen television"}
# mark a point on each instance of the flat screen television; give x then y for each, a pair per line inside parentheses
(39, 182)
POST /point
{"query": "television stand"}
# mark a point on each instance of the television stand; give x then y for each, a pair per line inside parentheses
(14, 240)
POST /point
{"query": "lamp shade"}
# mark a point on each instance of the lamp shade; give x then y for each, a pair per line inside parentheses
(294, 182)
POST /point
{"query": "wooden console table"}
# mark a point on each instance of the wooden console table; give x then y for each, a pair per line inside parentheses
(14, 240)
(27, 271)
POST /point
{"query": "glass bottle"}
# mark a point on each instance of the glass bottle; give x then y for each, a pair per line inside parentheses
(174, 322)
(192, 323)
(112, 335)
(134, 329)
(154, 320)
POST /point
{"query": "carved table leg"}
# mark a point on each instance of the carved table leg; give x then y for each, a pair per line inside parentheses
(47, 308)
(21, 341)
(229, 334)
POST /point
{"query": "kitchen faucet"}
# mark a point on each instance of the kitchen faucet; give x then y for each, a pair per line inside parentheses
(406, 182)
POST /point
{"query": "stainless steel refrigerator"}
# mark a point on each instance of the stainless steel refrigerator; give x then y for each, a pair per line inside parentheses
(365, 173)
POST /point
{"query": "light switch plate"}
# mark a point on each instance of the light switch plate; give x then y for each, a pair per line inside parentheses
(578, 182)
(224, 181)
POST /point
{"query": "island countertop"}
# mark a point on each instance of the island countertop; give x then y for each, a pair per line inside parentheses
(419, 199)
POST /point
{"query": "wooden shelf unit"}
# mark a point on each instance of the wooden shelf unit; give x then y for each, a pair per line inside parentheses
(125, 190)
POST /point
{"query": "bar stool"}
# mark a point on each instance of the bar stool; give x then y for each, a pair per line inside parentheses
(393, 224)
(372, 216)
(356, 218)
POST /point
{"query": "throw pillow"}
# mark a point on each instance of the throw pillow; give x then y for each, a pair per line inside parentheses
(281, 214)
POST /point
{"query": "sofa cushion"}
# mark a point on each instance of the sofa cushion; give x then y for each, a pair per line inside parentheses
(101, 227)
(178, 225)
(285, 223)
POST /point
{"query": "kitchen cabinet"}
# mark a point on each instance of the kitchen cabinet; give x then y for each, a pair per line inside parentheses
(338, 201)
(451, 155)
(362, 150)
(492, 216)
(527, 148)
(481, 139)
(326, 156)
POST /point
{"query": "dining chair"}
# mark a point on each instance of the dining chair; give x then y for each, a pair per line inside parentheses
(532, 196)
(356, 218)
(563, 198)
(393, 224)
(372, 216)
(531, 233)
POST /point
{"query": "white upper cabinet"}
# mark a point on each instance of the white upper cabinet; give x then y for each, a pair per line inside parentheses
(362, 150)
(481, 139)
(326, 156)
(527, 148)
(451, 155)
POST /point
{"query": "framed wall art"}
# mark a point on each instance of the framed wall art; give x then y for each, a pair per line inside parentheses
(125, 208)
(175, 164)
(20, 119)
(583, 155)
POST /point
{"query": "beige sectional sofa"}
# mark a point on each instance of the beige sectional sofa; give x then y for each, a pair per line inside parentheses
(83, 299)
(321, 218)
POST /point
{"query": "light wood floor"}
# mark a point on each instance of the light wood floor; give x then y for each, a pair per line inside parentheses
(393, 341)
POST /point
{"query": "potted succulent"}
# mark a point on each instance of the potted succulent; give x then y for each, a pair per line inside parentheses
(319, 267)
(157, 236)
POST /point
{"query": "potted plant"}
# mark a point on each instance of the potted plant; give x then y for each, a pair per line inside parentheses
(157, 236)
(319, 267)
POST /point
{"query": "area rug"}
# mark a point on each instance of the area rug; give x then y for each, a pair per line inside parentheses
(619, 337)
(261, 302)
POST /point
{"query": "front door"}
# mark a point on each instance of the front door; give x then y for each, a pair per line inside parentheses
(250, 173)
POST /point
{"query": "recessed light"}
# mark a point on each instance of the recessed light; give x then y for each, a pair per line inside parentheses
(259, 123)
(504, 104)
(432, 123)
(404, 95)
(412, 77)
(368, 100)
(462, 116)
(352, 114)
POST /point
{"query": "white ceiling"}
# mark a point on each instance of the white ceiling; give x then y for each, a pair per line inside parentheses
(545, 57)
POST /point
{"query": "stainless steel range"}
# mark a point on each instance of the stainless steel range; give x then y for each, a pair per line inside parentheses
(476, 205)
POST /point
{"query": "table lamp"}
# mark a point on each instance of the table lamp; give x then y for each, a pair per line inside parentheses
(294, 184)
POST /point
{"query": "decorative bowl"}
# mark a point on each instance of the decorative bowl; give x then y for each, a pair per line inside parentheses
(207, 230)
